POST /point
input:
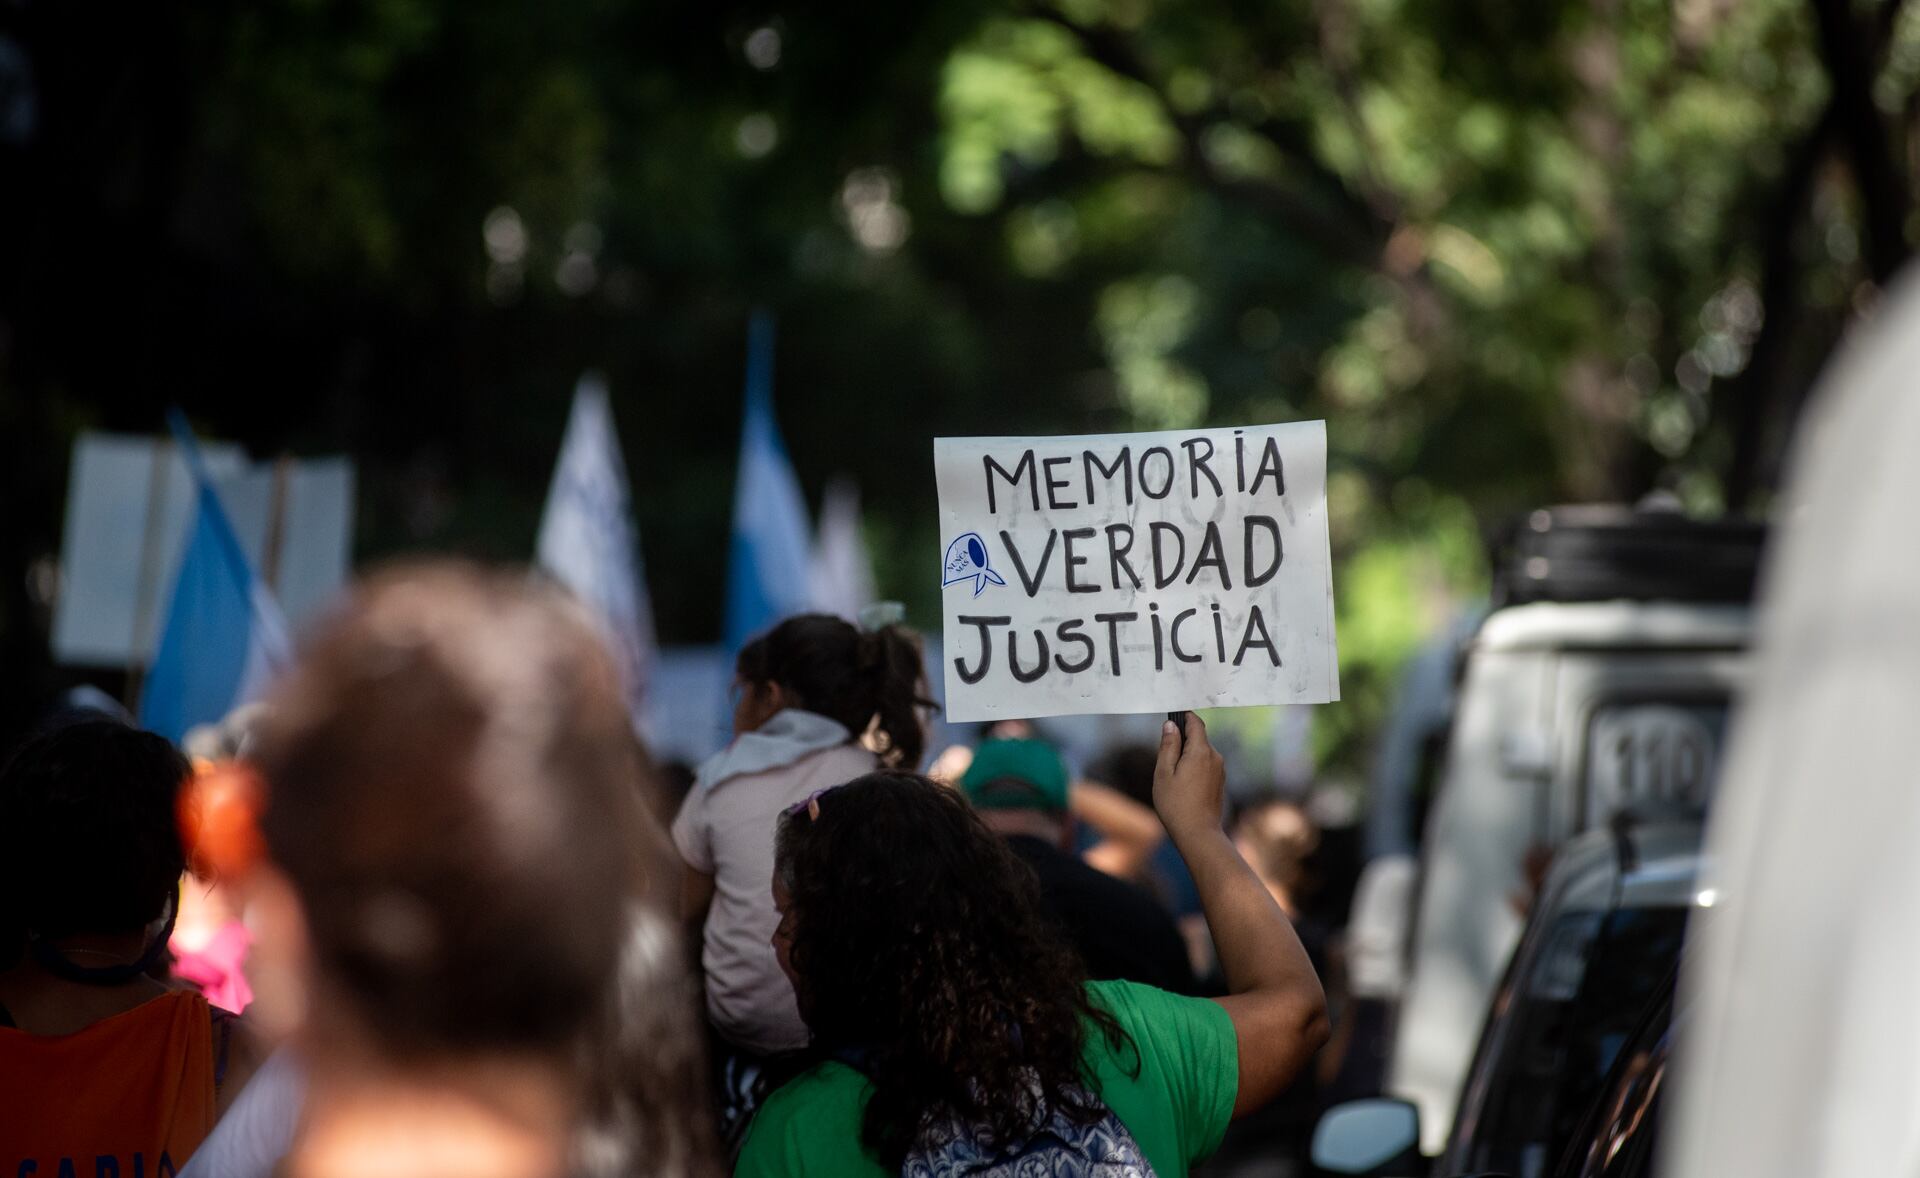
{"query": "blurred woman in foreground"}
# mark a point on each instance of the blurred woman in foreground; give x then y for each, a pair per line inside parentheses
(448, 895)
(957, 1033)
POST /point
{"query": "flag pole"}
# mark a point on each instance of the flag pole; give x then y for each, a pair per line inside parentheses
(143, 586)
(276, 522)
(760, 358)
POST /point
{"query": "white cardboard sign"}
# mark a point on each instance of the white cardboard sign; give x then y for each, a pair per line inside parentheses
(130, 505)
(1136, 572)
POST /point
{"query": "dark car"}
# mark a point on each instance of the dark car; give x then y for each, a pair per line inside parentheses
(1616, 1138)
(1600, 946)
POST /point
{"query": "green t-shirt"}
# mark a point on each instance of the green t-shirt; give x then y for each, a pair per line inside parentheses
(1176, 1107)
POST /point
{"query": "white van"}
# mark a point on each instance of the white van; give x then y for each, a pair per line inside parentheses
(1570, 711)
(1801, 1056)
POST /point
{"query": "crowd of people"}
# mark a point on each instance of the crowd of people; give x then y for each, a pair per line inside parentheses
(484, 935)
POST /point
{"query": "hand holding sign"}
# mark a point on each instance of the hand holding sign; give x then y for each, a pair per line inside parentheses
(1189, 779)
(1150, 572)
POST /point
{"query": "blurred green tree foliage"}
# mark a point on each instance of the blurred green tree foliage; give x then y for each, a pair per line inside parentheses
(1512, 253)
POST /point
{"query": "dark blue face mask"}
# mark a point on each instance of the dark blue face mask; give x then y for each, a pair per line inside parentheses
(57, 964)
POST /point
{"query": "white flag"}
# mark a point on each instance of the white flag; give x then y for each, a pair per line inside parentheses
(840, 579)
(587, 538)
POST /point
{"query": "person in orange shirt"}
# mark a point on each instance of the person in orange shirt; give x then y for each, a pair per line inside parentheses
(104, 1070)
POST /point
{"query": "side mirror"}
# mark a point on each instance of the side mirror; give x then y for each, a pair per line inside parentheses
(1378, 1137)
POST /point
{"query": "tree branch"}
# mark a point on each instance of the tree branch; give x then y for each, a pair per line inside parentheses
(1747, 401)
(1850, 63)
(1330, 18)
(1339, 218)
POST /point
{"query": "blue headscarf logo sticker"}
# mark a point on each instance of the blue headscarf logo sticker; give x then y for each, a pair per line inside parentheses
(967, 561)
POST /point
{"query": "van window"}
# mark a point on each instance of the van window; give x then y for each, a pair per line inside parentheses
(1653, 758)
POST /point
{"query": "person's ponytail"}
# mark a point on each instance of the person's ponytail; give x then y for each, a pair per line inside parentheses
(860, 678)
(890, 660)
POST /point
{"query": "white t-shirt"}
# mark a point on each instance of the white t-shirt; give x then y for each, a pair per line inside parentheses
(255, 1135)
(726, 829)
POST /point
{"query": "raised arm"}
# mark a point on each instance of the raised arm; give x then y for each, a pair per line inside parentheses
(1129, 833)
(1278, 1009)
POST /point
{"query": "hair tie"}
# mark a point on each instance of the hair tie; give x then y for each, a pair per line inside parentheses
(878, 615)
(810, 804)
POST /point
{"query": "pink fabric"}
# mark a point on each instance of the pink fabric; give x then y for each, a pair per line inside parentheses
(216, 968)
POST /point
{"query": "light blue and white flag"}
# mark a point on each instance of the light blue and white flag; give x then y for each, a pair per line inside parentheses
(225, 637)
(768, 557)
(588, 541)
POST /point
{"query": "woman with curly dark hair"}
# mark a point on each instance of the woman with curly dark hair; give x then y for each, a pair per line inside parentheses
(959, 1034)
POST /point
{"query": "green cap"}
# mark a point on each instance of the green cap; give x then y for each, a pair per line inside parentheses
(1016, 775)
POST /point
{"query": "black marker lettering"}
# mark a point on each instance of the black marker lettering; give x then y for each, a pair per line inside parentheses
(1117, 554)
(1053, 484)
(1030, 584)
(1197, 465)
(1074, 562)
(1240, 461)
(1251, 579)
(986, 626)
(1247, 642)
(1122, 466)
(1153, 616)
(1069, 631)
(1173, 637)
(1013, 656)
(1161, 577)
(1210, 542)
(1219, 633)
(1022, 469)
(1165, 487)
(1113, 634)
(1270, 465)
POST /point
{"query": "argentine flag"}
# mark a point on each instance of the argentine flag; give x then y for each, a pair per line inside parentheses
(770, 551)
(225, 636)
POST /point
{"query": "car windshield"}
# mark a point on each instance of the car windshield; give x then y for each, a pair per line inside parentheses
(1566, 1019)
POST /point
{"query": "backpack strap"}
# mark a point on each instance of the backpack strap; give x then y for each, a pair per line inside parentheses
(860, 1059)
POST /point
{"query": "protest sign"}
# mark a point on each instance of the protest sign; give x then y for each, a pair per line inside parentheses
(131, 504)
(1136, 572)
